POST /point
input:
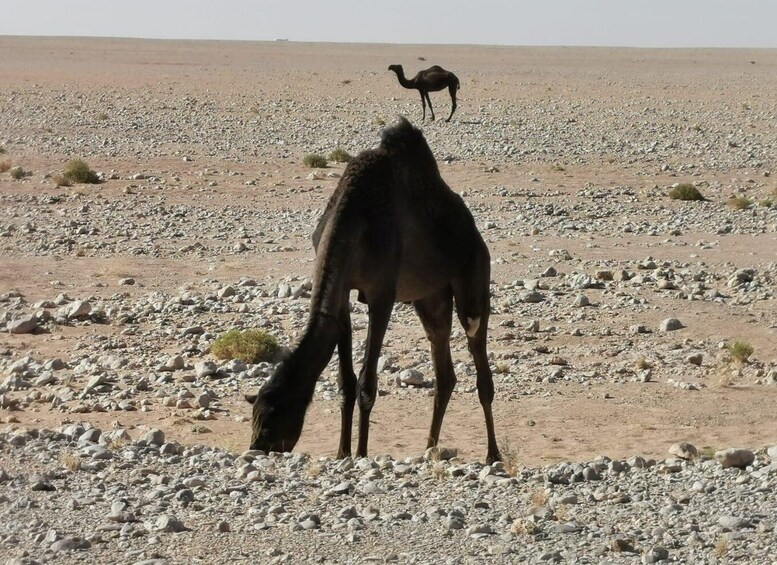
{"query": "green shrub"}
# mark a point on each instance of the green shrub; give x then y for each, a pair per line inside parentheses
(18, 173)
(314, 161)
(78, 171)
(740, 202)
(2, 150)
(340, 155)
(740, 350)
(685, 192)
(250, 346)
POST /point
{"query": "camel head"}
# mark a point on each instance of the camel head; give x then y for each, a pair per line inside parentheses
(395, 68)
(276, 423)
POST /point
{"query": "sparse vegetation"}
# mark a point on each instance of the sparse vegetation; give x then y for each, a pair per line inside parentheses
(102, 116)
(2, 150)
(740, 350)
(5, 166)
(71, 461)
(557, 168)
(767, 202)
(539, 497)
(61, 180)
(740, 202)
(722, 547)
(249, 346)
(314, 161)
(78, 171)
(340, 155)
(707, 452)
(510, 459)
(380, 122)
(18, 173)
(643, 364)
(686, 192)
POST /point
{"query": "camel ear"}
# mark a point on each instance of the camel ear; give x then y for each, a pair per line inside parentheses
(250, 398)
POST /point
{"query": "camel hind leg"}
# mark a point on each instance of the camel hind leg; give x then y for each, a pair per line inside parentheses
(346, 382)
(473, 309)
(452, 89)
(436, 314)
(423, 105)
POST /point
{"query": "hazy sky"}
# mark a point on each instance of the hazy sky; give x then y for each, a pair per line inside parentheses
(639, 23)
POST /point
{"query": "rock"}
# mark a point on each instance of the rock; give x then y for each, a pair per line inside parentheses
(684, 450)
(772, 452)
(735, 457)
(695, 359)
(70, 544)
(26, 325)
(166, 523)
(440, 453)
(582, 300)
(670, 325)
(411, 377)
(531, 297)
(655, 554)
(75, 310)
(205, 368)
(154, 437)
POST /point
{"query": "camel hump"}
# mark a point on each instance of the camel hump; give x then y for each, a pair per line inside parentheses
(404, 137)
(436, 69)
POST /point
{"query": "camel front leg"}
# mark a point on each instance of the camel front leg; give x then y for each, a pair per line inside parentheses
(379, 314)
(431, 110)
(423, 105)
(346, 382)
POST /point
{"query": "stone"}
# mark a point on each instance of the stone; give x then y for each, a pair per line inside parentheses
(735, 457)
(684, 450)
(26, 325)
(670, 325)
(205, 368)
(411, 377)
(695, 359)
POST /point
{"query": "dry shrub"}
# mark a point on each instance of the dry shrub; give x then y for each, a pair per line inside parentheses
(71, 461)
(740, 350)
(5, 166)
(250, 346)
(314, 161)
(686, 192)
(61, 180)
(78, 171)
(740, 202)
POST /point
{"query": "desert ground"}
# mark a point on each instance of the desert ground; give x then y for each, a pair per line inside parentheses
(203, 218)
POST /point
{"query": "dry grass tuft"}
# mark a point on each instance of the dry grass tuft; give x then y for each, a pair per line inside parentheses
(5, 166)
(510, 459)
(78, 171)
(740, 350)
(71, 461)
(314, 161)
(740, 202)
(524, 527)
(250, 346)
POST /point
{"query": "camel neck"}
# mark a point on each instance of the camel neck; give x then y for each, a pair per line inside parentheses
(402, 80)
(311, 356)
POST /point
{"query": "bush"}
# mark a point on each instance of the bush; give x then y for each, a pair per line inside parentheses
(340, 155)
(740, 350)
(2, 149)
(740, 202)
(78, 171)
(61, 180)
(250, 346)
(5, 166)
(685, 192)
(314, 161)
(18, 173)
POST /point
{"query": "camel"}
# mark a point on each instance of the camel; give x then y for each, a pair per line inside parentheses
(394, 231)
(432, 79)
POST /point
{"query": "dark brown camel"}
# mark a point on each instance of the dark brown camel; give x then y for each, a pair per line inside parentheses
(394, 231)
(432, 79)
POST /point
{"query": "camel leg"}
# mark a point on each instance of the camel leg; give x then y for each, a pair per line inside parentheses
(452, 90)
(346, 382)
(473, 309)
(429, 101)
(436, 313)
(379, 314)
(423, 105)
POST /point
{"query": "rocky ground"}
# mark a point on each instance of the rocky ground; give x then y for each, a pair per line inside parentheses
(614, 307)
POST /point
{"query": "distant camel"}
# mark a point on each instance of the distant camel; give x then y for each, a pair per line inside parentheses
(432, 79)
(394, 231)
